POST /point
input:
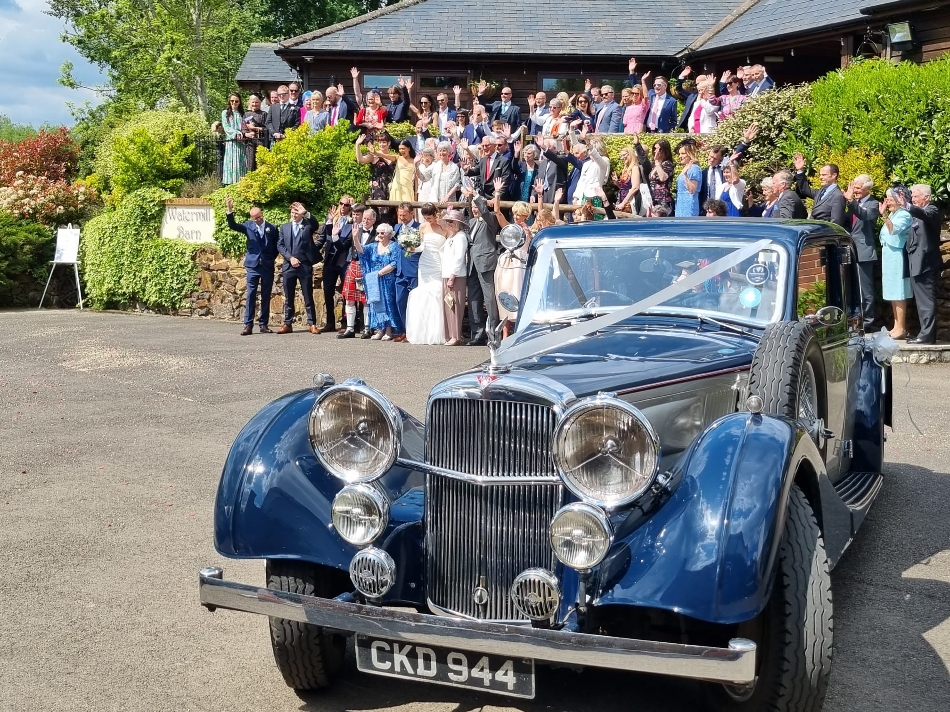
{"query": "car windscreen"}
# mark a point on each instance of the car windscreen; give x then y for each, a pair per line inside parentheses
(574, 279)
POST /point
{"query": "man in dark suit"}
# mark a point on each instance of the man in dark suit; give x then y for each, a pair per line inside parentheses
(713, 180)
(923, 256)
(829, 200)
(407, 268)
(483, 258)
(862, 210)
(661, 116)
(610, 114)
(685, 90)
(336, 238)
(502, 110)
(259, 263)
(788, 205)
(758, 82)
(490, 166)
(282, 115)
(295, 243)
(296, 96)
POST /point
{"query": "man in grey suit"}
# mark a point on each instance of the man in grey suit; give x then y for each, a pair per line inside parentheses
(923, 256)
(829, 200)
(788, 205)
(483, 258)
(610, 114)
(862, 210)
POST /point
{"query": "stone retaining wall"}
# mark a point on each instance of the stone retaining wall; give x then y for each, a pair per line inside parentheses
(221, 284)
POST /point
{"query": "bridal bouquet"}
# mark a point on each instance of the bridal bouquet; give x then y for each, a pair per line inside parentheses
(409, 239)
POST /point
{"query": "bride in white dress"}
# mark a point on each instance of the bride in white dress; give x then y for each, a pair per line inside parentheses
(424, 323)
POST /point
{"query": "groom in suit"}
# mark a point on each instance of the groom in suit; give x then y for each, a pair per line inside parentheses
(829, 200)
(259, 263)
(407, 268)
(295, 244)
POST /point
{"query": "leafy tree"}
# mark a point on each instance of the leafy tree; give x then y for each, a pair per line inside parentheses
(284, 19)
(160, 50)
(12, 132)
(142, 161)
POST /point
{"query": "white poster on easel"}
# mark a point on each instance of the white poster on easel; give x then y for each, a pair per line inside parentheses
(67, 245)
(67, 253)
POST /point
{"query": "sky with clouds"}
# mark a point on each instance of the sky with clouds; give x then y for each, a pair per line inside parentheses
(31, 54)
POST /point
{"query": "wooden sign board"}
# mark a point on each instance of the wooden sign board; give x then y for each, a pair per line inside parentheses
(191, 223)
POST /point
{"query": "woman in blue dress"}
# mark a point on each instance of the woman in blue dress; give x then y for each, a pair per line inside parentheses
(687, 182)
(895, 281)
(378, 262)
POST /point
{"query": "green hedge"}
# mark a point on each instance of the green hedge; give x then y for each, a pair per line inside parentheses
(26, 247)
(124, 261)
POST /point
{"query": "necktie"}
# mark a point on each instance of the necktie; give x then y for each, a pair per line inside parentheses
(821, 194)
(333, 112)
(487, 169)
(260, 232)
(504, 108)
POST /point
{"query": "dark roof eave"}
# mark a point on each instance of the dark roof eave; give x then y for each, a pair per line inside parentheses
(886, 8)
(498, 56)
(737, 48)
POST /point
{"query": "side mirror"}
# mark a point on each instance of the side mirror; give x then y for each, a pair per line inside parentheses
(509, 301)
(829, 316)
(511, 238)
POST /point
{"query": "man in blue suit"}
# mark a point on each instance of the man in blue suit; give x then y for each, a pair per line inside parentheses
(259, 263)
(610, 114)
(407, 268)
(295, 243)
(661, 116)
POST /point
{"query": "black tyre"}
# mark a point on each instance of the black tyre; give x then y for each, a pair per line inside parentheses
(795, 633)
(307, 657)
(788, 373)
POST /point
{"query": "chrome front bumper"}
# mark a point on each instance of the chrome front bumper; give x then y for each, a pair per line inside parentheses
(732, 665)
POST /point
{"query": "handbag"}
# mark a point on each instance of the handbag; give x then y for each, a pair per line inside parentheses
(646, 198)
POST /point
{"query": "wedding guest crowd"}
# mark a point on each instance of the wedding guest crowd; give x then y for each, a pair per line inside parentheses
(409, 275)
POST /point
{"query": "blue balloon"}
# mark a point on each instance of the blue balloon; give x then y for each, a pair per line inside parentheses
(750, 297)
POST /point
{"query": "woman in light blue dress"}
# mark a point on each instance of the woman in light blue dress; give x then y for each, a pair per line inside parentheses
(378, 260)
(895, 281)
(687, 183)
(235, 160)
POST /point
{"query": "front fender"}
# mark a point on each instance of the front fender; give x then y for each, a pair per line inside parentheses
(274, 497)
(709, 552)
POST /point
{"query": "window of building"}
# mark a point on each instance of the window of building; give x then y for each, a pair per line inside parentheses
(572, 85)
(380, 82)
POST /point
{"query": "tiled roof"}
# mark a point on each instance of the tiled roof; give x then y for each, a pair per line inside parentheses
(596, 28)
(262, 65)
(778, 18)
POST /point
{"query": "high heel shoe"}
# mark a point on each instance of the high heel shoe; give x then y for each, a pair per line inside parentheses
(900, 337)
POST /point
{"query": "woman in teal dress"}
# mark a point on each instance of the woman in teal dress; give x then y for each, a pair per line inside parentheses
(895, 281)
(378, 260)
(235, 157)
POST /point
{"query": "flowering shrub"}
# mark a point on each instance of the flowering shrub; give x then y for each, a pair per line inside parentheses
(51, 154)
(51, 202)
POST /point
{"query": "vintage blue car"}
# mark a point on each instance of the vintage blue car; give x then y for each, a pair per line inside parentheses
(654, 473)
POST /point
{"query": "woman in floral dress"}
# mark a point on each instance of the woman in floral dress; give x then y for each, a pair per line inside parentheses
(661, 176)
(235, 158)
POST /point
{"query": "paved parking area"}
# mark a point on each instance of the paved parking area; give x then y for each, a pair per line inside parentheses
(114, 428)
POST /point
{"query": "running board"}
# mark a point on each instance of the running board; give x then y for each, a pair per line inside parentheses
(858, 490)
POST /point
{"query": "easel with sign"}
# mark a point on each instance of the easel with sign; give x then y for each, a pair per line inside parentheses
(67, 253)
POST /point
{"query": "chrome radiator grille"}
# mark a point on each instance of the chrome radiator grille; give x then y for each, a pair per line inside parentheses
(480, 536)
(491, 438)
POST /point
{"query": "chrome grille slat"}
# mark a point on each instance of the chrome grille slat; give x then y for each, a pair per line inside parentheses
(488, 532)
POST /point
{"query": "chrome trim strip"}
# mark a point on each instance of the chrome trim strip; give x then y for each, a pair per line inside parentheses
(684, 379)
(733, 665)
(445, 613)
(474, 479)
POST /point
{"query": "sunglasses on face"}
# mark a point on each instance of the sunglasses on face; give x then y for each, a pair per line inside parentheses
(281, 93)
(294, 91)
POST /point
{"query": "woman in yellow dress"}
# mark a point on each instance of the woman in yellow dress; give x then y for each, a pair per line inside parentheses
(403, 184)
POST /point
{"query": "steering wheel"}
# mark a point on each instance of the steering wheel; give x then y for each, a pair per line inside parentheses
(622, 300)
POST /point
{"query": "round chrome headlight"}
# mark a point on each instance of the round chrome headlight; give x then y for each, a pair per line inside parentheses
(360, 514)
(580, 536)
(606, 451)
(373, 572)
(355, 432)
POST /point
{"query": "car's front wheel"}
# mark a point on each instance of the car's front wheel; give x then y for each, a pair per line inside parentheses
(307, 656)
(794, 632)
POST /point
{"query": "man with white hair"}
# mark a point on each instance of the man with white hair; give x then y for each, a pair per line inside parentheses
(862, 212)
(761, 82)
(923, 256)
(788, 206)
(661, 115)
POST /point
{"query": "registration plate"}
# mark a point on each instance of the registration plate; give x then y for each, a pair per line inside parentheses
(442, 666)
